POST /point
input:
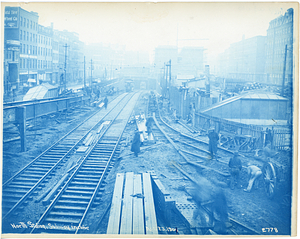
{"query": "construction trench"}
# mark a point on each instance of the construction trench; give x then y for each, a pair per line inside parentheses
(172, 160)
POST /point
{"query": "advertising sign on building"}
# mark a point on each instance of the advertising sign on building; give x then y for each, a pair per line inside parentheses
(11, 17)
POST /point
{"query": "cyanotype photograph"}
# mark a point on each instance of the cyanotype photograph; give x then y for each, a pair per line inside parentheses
(149, 119)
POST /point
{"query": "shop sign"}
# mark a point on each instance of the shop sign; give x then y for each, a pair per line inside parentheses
(13, 42)
(13, 49)
(11, 18)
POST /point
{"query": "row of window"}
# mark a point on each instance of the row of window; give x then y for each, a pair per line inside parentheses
(28, 23)
(34, 50)
(28, 36)
(34, 64)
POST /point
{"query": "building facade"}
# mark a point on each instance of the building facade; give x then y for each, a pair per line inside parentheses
(34, 54)
(44, 58)
(20, 47)
(279, 35)
(244, 60)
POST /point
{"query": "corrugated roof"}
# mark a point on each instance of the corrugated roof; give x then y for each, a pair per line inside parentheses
(263, 96)
(38, 92)
(248, 95)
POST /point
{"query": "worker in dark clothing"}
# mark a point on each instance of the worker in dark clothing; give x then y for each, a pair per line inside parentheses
(235, 166)
(136, 143)
(269, 137)
(105, 102)
(213, 142)
(213, 197)
(149, 124)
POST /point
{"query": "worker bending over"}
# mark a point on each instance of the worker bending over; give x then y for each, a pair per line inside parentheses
(254, 173)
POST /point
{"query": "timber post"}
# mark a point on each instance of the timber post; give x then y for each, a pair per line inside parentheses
(21, 120)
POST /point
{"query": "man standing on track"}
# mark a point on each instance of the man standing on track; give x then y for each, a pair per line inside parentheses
(235, 166)
(213, 141)
(105, 102)
(149, 123)
(136, 143)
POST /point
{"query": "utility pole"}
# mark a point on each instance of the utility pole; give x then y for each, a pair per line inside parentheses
(65, 67)
(84, 72)
(284, 67)
(91, 72)
(168, 77)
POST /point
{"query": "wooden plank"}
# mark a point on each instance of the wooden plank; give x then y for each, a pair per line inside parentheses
(115, 211)
(126, 218)
(138, 210)
(150, 216)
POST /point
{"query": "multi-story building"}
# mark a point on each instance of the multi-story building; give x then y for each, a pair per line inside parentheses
(44, 52)
(34, 53)
(20, 47)
(244, 60)
(190, 61)
(162, 55)
(279, 35)
(186, 61)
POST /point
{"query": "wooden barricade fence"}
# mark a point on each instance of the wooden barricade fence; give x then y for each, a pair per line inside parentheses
(203, 121)
(282, 139)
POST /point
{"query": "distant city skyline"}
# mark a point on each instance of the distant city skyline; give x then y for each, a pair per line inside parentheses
(144, 26)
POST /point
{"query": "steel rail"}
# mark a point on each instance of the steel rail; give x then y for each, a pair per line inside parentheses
(192, 138)
(230, 217)
(24, 197)
(54, 144)
(105, 170)
(184, 156)
(90, 150)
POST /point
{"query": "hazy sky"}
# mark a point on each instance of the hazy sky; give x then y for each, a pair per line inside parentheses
(143, 26)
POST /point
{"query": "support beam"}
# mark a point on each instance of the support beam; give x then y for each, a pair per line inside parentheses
(21, 120)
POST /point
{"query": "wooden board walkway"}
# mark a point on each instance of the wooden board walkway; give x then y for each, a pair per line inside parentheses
(132, 209)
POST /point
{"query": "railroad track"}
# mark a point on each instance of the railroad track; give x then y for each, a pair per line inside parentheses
(194, 151)
(70, 207)
(235, 227)
(17, 189)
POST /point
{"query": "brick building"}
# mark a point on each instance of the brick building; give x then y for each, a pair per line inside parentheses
(279, 35)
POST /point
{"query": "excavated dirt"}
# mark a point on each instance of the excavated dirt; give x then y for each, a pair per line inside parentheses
(253, 209)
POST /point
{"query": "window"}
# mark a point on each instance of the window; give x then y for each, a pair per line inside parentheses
(21, 47)
(30, 24)
(27, 23)
(27, 36)
(20, 34)
(21, 21)
(30, 36)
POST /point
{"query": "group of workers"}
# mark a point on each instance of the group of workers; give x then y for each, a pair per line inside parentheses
(235, 164)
